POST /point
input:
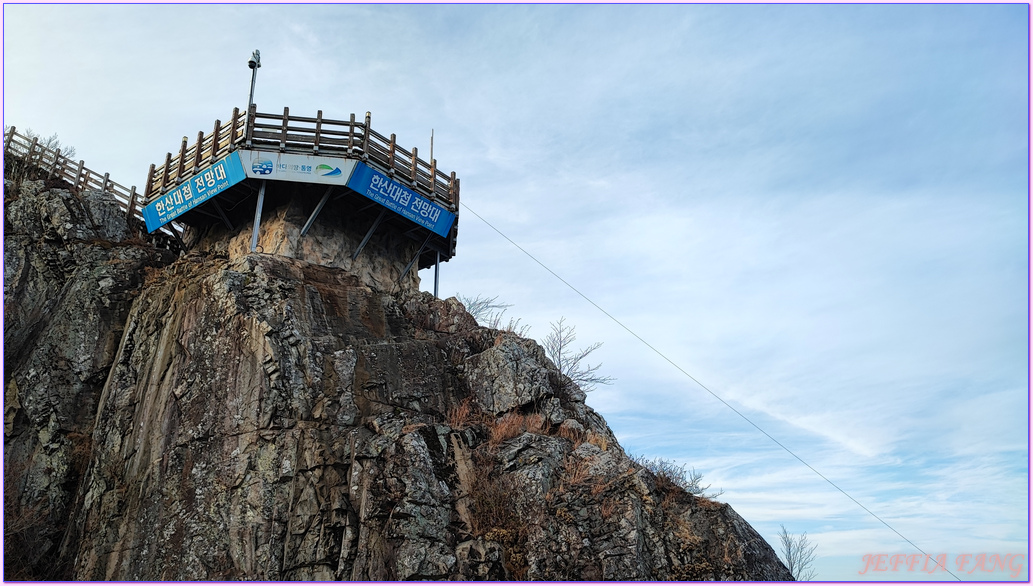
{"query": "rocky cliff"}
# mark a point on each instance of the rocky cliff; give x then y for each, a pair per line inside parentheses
(224, 415)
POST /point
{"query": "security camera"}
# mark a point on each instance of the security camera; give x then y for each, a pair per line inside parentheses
(255, 61)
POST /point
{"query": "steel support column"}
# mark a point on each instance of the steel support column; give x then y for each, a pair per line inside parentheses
(415, 258)
(366, 238)
(222, 214)
(437, 269)
(258, 217)
(315, 212)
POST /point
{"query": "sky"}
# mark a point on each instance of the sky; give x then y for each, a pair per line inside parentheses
(819, 212)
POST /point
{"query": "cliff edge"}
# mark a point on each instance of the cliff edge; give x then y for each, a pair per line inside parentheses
(221, 416)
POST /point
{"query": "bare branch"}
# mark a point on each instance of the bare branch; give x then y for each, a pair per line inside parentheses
(798, 555)
(488, 311)
(559, 348)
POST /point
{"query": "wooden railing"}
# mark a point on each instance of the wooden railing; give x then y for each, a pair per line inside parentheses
(51, 164)
(348, 139)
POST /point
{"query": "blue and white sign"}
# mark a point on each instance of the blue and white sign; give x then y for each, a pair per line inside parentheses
(297, 168)
(195, 191)
(400, 199)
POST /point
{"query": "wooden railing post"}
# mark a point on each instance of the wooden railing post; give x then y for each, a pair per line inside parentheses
(391, 155)
(412, 169)
(452, 190)
(8, 138)
(147, 188)
(78, 175)
(283, 129)
(215, 142)
(181, 168)
(319, 130)
(249, 125)
(365, 135)
(233, 128)
(351, 133)
(433, 178)
(54, 167)
(32, 149)
(197, 151)
(132, 203)
(165, 176)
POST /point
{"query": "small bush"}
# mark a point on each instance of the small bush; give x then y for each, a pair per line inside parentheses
(496, 516)
(461, 416)
(507, 427)
(575, 435)
(671, 477)
(598, 440)
(537, 423)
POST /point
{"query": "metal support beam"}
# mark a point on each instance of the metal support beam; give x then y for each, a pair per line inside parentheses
(415, 258)
(258, 217)
(315, 212)
(222, 214)
(437, 270)
(369, 234)
(175, 234)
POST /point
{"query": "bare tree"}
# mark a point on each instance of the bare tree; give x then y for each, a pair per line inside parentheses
(798, 555)
(559, 348)
(669, 474)
(482, 308)
(51, 142)
(488, 311)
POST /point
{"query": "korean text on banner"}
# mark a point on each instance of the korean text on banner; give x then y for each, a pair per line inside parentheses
(224, 174)
(400, 199)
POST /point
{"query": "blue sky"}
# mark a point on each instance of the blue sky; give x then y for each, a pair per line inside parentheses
(820, 212)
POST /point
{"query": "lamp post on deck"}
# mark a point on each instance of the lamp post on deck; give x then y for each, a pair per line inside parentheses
(253, 63)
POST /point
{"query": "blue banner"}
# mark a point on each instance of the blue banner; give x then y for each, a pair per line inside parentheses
(400, 199)
(198, 189)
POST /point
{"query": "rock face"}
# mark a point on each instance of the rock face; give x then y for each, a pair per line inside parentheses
(331, 241)
(72, 265)
(262, 417)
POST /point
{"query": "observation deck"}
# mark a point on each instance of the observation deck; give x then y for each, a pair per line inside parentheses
(313, 159)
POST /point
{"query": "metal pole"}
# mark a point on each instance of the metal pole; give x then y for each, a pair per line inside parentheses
(258, 217)
(437, 268)
(315, 212)
(251, 96)
(254, 63)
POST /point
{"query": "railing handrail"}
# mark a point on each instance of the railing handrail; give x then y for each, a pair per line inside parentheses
(76, 174)
(349, 139)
